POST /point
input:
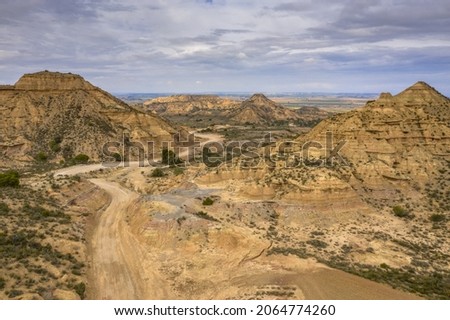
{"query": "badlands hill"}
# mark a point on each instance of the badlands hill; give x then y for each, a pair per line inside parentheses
(399, 142)
(62, 115)
(258, 109)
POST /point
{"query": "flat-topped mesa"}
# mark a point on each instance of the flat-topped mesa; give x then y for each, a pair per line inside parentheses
(52, 81)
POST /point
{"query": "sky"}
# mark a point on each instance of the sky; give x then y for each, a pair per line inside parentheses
(190, 46)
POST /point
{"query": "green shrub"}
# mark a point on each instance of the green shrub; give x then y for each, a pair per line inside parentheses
(208, 202)
(40, 213)
(81, 159)
(178, 171)
(157, 173)
(9, 179)
(41, 157)
(117, 157)
(400, 212)
(2, 283)
(55, 145)
(437, 217)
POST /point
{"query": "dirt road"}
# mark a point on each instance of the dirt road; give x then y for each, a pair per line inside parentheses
(114, 251)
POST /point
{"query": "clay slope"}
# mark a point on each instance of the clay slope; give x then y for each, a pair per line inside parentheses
(259, 109)
(63, 115)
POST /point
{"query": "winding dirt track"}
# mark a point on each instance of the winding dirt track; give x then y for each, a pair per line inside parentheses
(114, 250)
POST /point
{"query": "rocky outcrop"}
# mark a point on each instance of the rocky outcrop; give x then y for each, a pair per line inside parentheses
(62, 115)
(258, 109)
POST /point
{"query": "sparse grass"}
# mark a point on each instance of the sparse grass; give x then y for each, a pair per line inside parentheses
(32, 225)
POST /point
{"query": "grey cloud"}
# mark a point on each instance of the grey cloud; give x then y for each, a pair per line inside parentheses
(179, 41)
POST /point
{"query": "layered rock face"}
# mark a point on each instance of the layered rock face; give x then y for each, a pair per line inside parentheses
(395, 146)
(63, 115)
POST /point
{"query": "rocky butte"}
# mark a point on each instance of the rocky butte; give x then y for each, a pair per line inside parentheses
(62, 115)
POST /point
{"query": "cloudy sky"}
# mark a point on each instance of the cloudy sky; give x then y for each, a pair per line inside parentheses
(230, 45)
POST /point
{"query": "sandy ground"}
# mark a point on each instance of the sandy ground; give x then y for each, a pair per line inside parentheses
(118, 259)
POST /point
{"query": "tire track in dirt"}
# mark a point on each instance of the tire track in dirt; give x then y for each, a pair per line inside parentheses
(120, 267)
